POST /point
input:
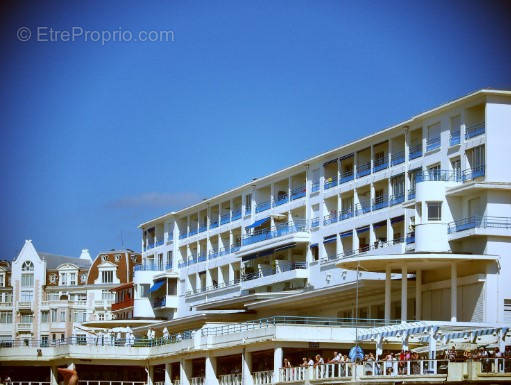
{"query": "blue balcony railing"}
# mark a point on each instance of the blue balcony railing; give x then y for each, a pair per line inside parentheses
(363, 208)
(438, 176)
(149, 246)
(330, 182)
(315, 222)
(331, 218)
(273, 271)
(410, 238)
(183, 235)
(479, 222)
(153, 267)
(415, 151)
(363, 169)
(224, 219)
(396, 199)
(282, 199)
(347, 176)
(315, 187)
(214, 224)
(432, 143)
(298, 192)
(193, 231)
(274, 232)
(380, 203)
(236, 214)
(397, 158)
(203, 228)
(474, 130)
(248, 210)
(346, 214)
(455, 138)
(263, 206)
(476, 172)
(411, 194)
(380, 164)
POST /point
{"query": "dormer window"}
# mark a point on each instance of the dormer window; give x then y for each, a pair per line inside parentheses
(117, 258)
(27, 266)
(107, 276)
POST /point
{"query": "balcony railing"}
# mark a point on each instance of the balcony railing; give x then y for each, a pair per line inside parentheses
(380, 203)
(315, 187)
(153, 267)
(411, 194)
(438, 176)
(432, 143)
(193, 231)
(330, 182)
(203, 228)
(298, 192)
(197, 381)
(364, 249)
(363, 169)
(474, 130)
(283, 199)
(476, 172)
(483, 222)
(223, 251)
(183, 235)
(236, 214)
(264, 377)
(415, 151)
(214, 287)
(274, 232)
(224, 219)
(380, 164)
(122, 305)
(213, 224)
(396, 199)
(363, 208)
(397, 158)
(273, 271)
(24, 326)
(346, 214)
(331, 218)
(455, 138)
(496, 365)
(410, 238)
(347, 176)
(263, 206)
(24, 304)
(315, 222)
(405, 368)
(229, 379)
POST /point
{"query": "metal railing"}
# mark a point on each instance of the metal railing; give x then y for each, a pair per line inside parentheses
(298, 192)
(396, 199)
(363, 207)
(380, 203)
(103, 382)
(346, 214)
(263, 206)
(264, 377)
(411, 194)
(363, 169)
(230, 379)
(438, 176)
(475, 130)
(236, 214)
(496, 365)
(346, 176)
(405, 368)
(410, 238)
(380, 164)
(224, 219)
(397, 158)
(415, 151)
(315, 186)
(455, 138)
(351, 253)
(275, 270)
(315, 222)
(432, 143)
(203, 228)
(476, 172)
(282, 199)
(479, 222)
(331, 218)
(214, 224)
(274, 232)
(214, 287)
(330, 182)
(153, 267)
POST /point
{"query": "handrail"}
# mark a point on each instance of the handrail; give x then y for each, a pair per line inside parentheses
(455, 138)
(315, 186)
(475, 172)
(479, 222)
(415, 151)
(331, 218)
(438, 176)
(381, 163)
(152, 267)
(274, 232)
(432, 143)
(397, 158)
(330, 182)
(214, 287)
(284, 198)
(475, 130)
(352, 253)
(275, 270)
(346, 176)
(263, 206)
(363, 169)
(380, 203)
(298, 192)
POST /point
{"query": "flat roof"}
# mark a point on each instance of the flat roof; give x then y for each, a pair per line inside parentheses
(413, 119)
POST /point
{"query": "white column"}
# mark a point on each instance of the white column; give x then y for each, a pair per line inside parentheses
(184, 372)
(210, 370)
(418, 294)
(404, 292)
(168, 374)
(246, 368)
(454, 291)
(150, 374)
(54, 376)
(387, 292)
(277, 363)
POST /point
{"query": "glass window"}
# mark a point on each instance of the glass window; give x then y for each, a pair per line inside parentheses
(44, 316)
(107, 276)
(53, 315)
(62, 316)
(144, 291)
(27, 280)
(72, 279)
(27, 318)
(434, 211)
(26, 296)
(27, 266)
(6, 317)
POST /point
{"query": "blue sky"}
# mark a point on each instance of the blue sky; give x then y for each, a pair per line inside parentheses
(99, 138)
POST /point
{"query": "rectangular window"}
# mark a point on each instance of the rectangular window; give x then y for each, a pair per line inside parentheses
(144, 291)
(53, 315)
(248, 203)
(6, 317)
(44, 316)
(81, 339)
(476, 157)
(434, 211)
(72, 279)
(434, 172)
(101, 316)
(27, 318)
(27, 280)
(62, 316)
(107, 276)
(63, 279)
(44, 340)
(26, 296)
(2, 280)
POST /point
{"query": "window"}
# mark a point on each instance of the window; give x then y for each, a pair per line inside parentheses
(434, 211)
(27, 318)
(27, 266)
(434, 172)
(53, 277)
(81, 339)
(107, 276)
(54, 315)
(26, 296)
(5, 317)
(27, 280)
(117, 257)
(398, 185)
(44, 316)
(2, 280)
(456, 167)
(62, 316)
(101, 316)
(44, 340)
(63, 279)
(104, 258)
(72, 279)
(248, 203)
(144, 291)
(379, 158)
(107, 295)
(476, 157)
(79, 316)
(83, 277)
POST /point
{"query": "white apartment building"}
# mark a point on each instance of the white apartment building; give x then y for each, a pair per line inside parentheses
(397, 241)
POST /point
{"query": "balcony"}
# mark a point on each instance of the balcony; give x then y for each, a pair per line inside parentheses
(203, 228)
(396, 199)
(213, 288)
(263, 206)
(415, 151)
(193, 231)
(224, 219)
(315, 222)
(27, 305)
(105, 302)
(474, 130)
(282, 199)
(330, 182)
(363, 169)
(213, 224)
(346, 214)
(229, 379)
(267, 276)
(329, 219)
(24, 326)
(123, 305)
(397, 158)
(315, 187)
(236, 214)
(438, 176)
(362, 208)
(223, 251)
(432, 144)
(411, 194)
(183, 236)
(486, 222)
(380, 164)
(298, 192)
(153, 267)
(455, 138)
(471, 174)
(274, 232)
(347, 176)
(380, 203)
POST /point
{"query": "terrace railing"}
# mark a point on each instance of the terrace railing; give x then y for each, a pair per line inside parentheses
(397, 158)
(275, 270)
(363, 169)
(415, 151)
(405, 368)
(474, 130)
(479, 222)
(432, 143)
(380, 164)
(455, 138)
(274, 232)
(331, 218)
(362, 250)
(347, 176)
(315, 187)
(298, 192)
(282, 199)
(330, 182)
(264, 377)
(263, 206)
(476, 172)
(212, 288)
(438, 176)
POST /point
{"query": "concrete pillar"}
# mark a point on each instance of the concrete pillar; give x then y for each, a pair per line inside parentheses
(404, 292)
(432, 345)
(246, 368)
(418, 294)
(379, 347)
(54, 376)
(388, 294)
(390, 231)
(454, 291)
(210, 371)
(150, 374)
(185, 371)
(168, 374)
(277, 362)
